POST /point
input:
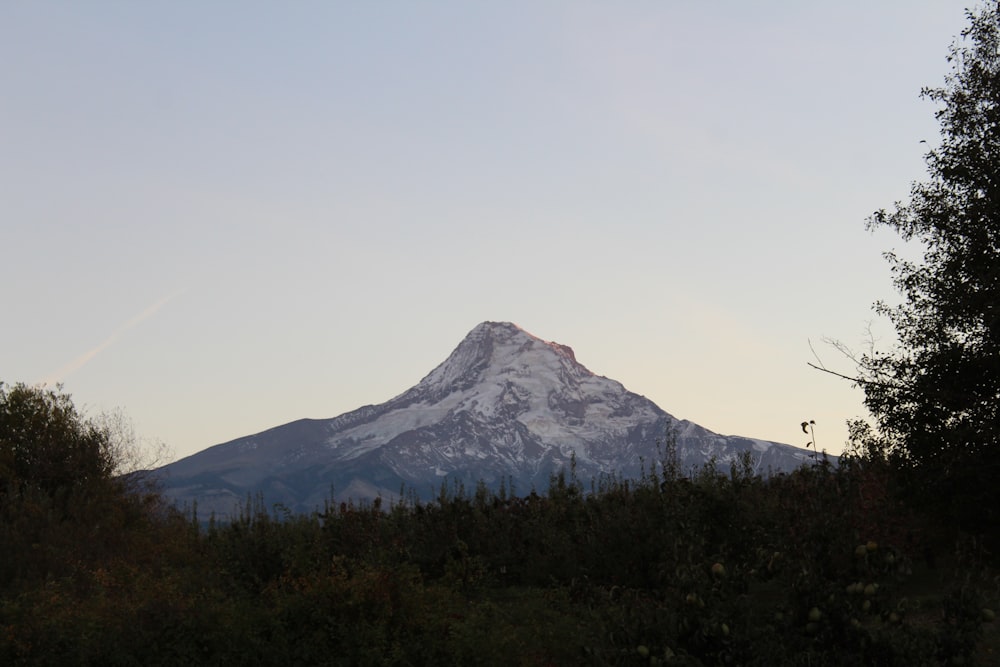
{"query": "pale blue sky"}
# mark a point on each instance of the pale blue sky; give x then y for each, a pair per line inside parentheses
(221, 217)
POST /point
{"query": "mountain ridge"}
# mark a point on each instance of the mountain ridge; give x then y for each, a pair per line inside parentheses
(504, 407)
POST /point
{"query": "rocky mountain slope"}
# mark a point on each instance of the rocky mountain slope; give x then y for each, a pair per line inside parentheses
(504, 407)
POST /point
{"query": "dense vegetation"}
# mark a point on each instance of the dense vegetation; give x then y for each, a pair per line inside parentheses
(818, 567)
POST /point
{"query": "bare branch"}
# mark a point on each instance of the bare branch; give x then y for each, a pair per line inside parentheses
(855, 380)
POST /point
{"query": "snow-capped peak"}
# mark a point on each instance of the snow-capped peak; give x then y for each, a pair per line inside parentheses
(497, 349)
(504, 405)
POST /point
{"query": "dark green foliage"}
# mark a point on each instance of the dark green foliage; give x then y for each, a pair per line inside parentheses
(62, 508)
(816, 567)
(936, 398)
(45, 445)
(625, 574)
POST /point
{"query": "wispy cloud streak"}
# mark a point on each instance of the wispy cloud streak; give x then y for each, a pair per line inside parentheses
(89, 355)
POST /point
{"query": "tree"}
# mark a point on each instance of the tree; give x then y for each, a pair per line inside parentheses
(936, 396)
(65, 501)
(46, 445)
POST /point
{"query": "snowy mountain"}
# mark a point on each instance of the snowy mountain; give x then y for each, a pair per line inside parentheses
(504, 407)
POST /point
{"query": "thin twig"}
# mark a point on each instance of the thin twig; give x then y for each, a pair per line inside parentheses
(840, 375)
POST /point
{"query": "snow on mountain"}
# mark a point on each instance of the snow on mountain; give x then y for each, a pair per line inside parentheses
(498, 374)
(504, 406)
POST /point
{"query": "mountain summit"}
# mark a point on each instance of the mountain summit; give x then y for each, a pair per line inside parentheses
(505, 406)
